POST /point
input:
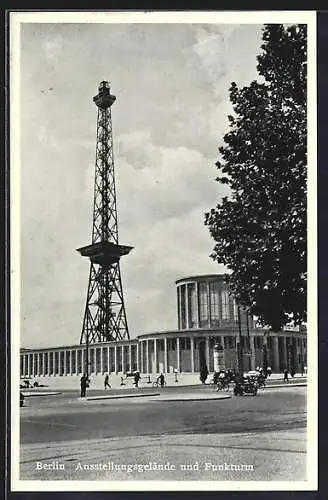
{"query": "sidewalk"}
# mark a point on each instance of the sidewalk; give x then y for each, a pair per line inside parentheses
(119, 382)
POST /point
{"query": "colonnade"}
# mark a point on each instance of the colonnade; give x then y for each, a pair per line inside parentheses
(164, 353)
(182, 354)
(72, 361)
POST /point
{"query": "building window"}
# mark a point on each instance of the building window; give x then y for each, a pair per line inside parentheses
(225, 305)
(214, 303)
(160, 345)
(203, 304)
(192, 305)
(51, 362)
(171, 344)
(98, 360)
(235, 310)
(61, 362)
(79, 361)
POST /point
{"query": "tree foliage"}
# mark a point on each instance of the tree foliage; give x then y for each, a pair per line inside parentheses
(260, 228)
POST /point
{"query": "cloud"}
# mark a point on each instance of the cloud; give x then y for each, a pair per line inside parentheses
(52, 48)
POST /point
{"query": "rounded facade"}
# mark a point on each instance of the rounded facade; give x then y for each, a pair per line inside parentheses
(205, 302)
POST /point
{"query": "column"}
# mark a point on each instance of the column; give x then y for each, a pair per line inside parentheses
(197, 305)
(65, 358)
(142, 353)
(28, 365)
(179, 308)
(53, 364)
(123, 359)
(207, 353)
(155, 354)
(82, 360)
(252, 347)
(138, 354)
(165, 355)
(115, 359)
(101, 359)
(178, 354)
(24, 365)
(188, 311)
(147, 356)
(192, 349)
(130, 358)
(284, 352)
(109, 360)
(275, 354)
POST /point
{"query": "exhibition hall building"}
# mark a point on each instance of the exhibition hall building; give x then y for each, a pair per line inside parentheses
(207, 317)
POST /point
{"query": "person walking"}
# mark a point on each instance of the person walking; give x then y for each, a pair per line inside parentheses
(83, 383)
(136, 378)
(106, 382)
(285, 375)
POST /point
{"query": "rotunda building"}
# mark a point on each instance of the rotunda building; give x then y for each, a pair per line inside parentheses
(208, 316)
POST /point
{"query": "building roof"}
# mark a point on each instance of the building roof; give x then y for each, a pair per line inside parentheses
(200, 277)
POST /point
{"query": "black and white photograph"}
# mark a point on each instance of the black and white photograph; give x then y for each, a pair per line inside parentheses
(163, 251)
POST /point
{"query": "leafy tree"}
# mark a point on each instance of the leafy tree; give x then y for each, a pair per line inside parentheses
(260, 228)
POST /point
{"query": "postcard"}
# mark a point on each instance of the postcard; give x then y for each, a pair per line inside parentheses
(163, 251)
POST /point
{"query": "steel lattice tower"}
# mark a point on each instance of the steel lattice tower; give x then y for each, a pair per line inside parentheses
(104, 317)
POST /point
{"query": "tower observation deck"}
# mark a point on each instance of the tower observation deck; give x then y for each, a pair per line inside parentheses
(104, 317)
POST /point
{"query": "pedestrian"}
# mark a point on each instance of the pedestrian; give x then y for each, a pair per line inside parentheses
(292, 372)
(83, 383)
(285, 375)
(161, 380)
(269, 371)
(136, 378)
(106, 382)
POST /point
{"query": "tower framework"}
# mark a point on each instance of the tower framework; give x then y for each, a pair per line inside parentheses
(104, 316)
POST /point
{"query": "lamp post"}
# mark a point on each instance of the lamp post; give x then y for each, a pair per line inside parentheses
(240, 354)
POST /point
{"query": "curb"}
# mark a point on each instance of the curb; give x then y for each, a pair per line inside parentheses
(119, 396)
(33, 394)
(276, 386)
(194, 398)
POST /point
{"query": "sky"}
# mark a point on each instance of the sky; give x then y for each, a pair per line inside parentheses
(171, 82)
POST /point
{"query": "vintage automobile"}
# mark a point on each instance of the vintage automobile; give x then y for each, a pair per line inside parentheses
(245, 385)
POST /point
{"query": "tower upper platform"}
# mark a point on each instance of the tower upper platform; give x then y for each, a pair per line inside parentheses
(104, 253)
(104, 99)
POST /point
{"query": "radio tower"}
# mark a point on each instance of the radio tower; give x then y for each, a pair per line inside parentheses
(104, 316)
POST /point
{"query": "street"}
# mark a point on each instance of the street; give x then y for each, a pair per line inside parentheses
(266, 432)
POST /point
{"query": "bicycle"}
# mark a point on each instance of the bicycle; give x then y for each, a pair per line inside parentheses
(222, 385)
(156, 384)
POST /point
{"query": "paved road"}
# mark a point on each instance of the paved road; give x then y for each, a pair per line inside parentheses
(65, 417)
(268, 429)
